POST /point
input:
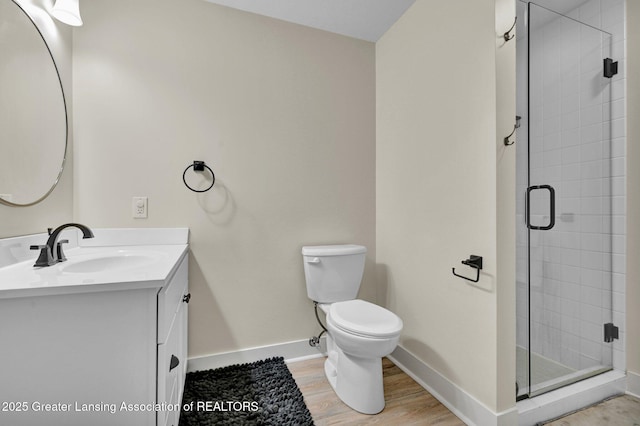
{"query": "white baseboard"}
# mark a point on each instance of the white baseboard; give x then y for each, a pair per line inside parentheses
(633, 384)
(298, 350)
(462, 404)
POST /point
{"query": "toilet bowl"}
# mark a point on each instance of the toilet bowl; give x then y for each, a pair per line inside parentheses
(359, 332)
(363, 329)
(359, 335)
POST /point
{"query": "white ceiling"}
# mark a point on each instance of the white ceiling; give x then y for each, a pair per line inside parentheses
(362, 19)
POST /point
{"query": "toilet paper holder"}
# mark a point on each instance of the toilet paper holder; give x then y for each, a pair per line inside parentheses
(474, 262)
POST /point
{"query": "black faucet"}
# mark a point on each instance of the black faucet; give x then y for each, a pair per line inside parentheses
(51, 253)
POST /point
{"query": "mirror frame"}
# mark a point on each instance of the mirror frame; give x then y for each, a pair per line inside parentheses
(66, 119)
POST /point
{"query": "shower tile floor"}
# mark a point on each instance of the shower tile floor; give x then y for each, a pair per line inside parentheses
(544, 371)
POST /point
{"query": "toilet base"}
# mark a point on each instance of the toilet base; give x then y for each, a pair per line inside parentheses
(356, 381)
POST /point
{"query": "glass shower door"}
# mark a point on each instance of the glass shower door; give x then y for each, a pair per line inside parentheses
(565, 189)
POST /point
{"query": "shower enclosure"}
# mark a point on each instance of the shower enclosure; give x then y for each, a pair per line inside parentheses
(564, 201)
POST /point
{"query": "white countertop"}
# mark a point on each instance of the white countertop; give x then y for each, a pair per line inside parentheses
(95, 268)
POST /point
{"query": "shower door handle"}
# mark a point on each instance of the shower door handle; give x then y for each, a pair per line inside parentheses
(552, 207)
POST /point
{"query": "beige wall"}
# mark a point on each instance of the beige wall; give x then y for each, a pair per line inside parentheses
(58, 207)
(505, 208)
(633, 190)
(438, 197)
(285, 116)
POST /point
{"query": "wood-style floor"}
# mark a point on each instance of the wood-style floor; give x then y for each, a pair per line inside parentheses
(407, 403)
(621, 411)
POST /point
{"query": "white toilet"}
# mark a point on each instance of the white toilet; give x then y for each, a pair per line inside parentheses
(359, 333)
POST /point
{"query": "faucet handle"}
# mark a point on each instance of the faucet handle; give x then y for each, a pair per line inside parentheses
(45, 258)
(60, 254)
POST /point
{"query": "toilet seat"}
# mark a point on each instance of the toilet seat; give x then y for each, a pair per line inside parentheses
(364, 319)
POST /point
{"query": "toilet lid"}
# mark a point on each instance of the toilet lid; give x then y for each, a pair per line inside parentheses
(364, 318)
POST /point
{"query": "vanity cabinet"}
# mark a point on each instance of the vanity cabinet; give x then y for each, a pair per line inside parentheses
(98, 354)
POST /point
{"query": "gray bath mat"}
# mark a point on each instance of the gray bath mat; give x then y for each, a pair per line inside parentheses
(259, 393)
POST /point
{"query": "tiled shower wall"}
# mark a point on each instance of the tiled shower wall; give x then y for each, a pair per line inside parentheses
(578, 147)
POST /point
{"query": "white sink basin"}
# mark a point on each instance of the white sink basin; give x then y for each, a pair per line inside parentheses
(111, 262)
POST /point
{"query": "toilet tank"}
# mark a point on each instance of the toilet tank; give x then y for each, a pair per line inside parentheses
(333, 273)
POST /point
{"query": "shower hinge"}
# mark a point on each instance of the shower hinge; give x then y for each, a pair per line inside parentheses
(610, 332)
(610, 67)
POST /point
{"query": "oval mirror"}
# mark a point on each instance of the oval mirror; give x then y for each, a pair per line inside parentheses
(33, 113)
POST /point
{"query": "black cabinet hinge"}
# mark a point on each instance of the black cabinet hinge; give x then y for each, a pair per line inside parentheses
(610, 332)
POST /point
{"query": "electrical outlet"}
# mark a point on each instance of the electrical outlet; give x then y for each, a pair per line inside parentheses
(139, 205)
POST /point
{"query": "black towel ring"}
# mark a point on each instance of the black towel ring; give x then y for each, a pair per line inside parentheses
(198, 166)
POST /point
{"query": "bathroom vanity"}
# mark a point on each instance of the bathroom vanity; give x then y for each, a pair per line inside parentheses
(100, 339)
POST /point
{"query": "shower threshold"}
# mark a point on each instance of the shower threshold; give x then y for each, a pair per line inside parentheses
(547, 374)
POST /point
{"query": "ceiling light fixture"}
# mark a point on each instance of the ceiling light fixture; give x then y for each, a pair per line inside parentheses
(67, 11)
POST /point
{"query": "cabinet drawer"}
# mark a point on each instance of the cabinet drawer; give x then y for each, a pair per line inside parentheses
(170, 298)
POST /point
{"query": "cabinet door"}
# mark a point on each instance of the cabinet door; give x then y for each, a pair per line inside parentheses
(170, 300)
(172, 356)
(80, 350)
(169, 368)
(182, 321)
(179, 330)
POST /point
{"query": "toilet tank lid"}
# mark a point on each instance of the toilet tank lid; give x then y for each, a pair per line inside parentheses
(333, 250)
